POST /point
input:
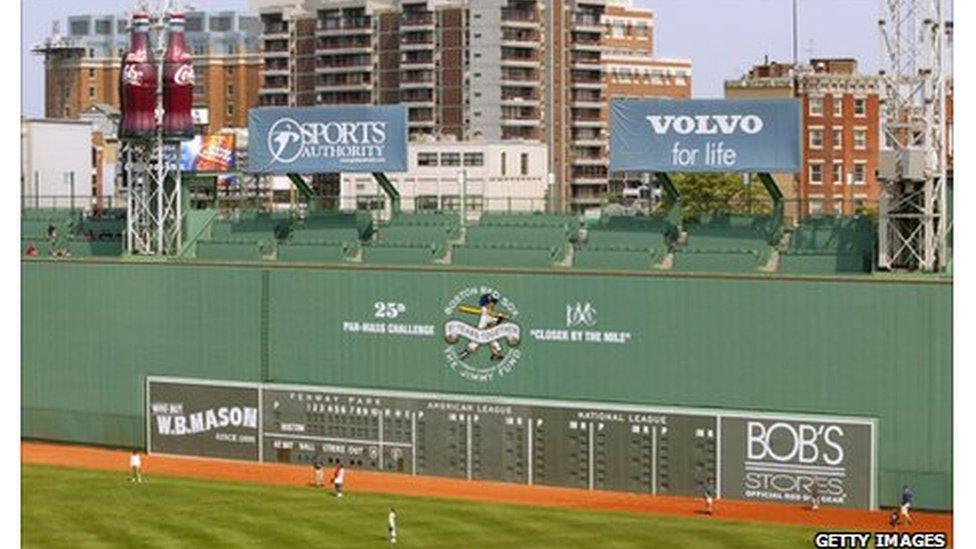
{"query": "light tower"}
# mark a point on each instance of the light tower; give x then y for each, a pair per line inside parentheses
(913, 221)
(152, 166)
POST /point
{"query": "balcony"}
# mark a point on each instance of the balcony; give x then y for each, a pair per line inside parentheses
(417, 42)
(519, 18)
(339, 26)
(587, 122)
(271, 52)
(516, 100)
(586, 82)
(521, 77)
(274, 31)
(587, 22)
(520, 38)
(414, 20)
(276, 69)
(590, 160)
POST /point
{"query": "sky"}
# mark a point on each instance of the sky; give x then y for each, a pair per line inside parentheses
(723, 38)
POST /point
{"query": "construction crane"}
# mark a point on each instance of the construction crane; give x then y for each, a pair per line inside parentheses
(914, 222)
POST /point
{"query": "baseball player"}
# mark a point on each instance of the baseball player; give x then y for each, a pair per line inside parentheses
(815, 494)
(338, 477)
(893, 519)
(906, 503)
(319, 471)
(709, 498)
(391, 524)
(135, 463)
(488, 319)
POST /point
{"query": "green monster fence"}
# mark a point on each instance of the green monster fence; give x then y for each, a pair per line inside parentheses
(92, 331)
(601, 446)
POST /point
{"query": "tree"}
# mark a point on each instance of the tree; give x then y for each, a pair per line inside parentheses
(722, 193)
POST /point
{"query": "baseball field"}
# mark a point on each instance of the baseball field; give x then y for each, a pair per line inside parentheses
(77, 496)
(66, 507)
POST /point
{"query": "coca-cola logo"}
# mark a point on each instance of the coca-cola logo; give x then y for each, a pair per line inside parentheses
(184, 76)
(132, 76)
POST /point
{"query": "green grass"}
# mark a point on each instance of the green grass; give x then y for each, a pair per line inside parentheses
(77, 508)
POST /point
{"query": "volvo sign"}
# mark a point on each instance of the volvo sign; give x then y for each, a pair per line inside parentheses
(705, 136)
(328, 139)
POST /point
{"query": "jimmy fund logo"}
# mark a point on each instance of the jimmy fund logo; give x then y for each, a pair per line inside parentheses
(364, 141)
(481, 317)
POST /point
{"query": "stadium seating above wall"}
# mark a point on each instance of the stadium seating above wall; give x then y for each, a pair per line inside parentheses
(617, 257)
(535, 219)
(830, 244)
(718, 261)
(330, 226)
(631, 231)
(729, 232)
(507, 255)
(313, 252)
(233, 250)
(527, 234)
(402, 253)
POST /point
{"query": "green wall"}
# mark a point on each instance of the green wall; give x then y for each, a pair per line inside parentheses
(854, 347)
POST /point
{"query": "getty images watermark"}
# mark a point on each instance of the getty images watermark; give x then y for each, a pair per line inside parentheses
(881, 540)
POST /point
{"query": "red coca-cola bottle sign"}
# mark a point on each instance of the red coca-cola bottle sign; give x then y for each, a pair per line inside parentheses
(137, 84)
(177, 82)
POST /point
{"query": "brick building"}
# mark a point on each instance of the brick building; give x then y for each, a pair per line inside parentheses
(476, 69)
(840, 131)
(81, 68)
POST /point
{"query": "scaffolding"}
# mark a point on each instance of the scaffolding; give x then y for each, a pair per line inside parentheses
(914, 224)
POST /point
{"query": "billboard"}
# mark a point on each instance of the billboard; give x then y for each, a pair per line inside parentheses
(328, 139)
(630, 448)
(209, 153)
(187, 417)
(780, 459)
(705, 135)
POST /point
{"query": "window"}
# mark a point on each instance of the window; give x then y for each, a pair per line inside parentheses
(451, 203)
(816, 106)
(860, 172)
(91, 73)
(524, 164)
(91, 92)
(426, 202)
(504, 161)
(860, 106)
(838, 205)
(475, 202)
(426, 159)
(220, 24)
(838, 138)
(194, 24)
(198, 49)
(860, 139)
(230, 109)
(78, 28)
(450, 159)
(815, 205)
(838, 173)
(838, 106)
(103, 27)
(120, 26)
(474, 159)
(230, 70)
(816, 139)
(816, 174)
(370, 202)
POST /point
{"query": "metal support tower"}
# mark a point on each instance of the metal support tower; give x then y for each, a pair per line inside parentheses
(154, 220)
(913, 221)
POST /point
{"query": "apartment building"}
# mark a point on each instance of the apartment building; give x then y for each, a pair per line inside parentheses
(840, 131)
(81, 67)
(477, 69)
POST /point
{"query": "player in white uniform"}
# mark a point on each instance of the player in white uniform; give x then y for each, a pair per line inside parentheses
(135, 463)
(391, 522)
(338, 478)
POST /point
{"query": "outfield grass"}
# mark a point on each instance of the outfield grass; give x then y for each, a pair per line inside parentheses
(84, 508)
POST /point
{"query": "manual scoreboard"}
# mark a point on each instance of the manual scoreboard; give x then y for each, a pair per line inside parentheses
(556, 443)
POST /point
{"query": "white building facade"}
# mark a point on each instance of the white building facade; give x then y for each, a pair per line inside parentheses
(500, 176)
(57, 169)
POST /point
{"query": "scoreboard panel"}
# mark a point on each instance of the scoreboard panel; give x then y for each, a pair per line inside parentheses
(595, 448)
(576, 444)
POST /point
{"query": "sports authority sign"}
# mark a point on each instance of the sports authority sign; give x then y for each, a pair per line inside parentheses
(786, 460)
(202, 419)
(328, 139)
(705, 135)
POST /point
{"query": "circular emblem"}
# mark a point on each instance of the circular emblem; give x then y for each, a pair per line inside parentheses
(285, 141)
(482, 334)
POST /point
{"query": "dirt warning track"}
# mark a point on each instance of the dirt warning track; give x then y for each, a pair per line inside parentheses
(498, 492)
